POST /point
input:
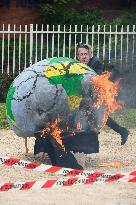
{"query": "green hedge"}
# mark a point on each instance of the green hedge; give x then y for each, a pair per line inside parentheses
(61, 13)
(5, 82)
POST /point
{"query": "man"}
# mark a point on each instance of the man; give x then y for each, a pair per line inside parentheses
(85, 55)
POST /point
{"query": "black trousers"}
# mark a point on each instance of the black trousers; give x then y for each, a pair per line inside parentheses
(114, 125)
(56, 154)
(82, 142)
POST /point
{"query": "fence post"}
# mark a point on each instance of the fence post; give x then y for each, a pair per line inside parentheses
(31, 43)
(69, 44)
(42, 42)
(36, 43)
(52, 54)
(133, 48)
(58, 40)
(121, 46)
(75, 40)
(47, 48)
(14, 51)
(64, 41)
(20, 50)
(109, 55)
(116, 38)
(87, 34)
(104, 43)
(3, 40)
(8, 48)
(98, 43)
(92, 39)
(25, 46)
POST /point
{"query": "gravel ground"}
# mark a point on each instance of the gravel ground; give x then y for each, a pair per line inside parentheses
(117, 193)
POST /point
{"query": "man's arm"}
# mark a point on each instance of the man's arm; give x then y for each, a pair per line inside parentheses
(96, 65)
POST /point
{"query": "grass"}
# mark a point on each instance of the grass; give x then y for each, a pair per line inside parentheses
(125, 117)
(3, 119)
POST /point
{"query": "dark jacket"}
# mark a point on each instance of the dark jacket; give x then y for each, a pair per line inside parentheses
(96, 65)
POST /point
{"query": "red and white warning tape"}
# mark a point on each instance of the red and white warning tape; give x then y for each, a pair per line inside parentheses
(35, 166)
(84, 176)
(57, 183)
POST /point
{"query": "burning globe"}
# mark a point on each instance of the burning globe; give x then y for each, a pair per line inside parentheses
(64, 104)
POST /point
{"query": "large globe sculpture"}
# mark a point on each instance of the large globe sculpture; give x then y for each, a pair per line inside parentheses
(56, 88)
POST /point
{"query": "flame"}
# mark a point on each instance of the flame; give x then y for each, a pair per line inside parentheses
(106, 91)
(45, 132)
(113, 164)
(54, 130)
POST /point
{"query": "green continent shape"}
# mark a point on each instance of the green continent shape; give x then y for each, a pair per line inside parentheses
(9, 101)
(71, 83)
(61, 59)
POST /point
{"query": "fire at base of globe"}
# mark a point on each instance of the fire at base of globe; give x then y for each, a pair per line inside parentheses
(64, 99)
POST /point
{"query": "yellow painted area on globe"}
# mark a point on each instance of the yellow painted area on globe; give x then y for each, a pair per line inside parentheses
(74, 102)
(66, 67)
(14, 122)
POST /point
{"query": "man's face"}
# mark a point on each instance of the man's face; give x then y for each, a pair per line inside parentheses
(83, 55)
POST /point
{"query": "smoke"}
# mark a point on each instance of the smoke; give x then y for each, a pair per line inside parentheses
(128, 89)
(125, 71)
(123, 68)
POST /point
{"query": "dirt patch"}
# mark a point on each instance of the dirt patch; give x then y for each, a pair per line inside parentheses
(117, 193)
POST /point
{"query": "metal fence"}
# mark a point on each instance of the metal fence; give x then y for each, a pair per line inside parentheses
(24, 45)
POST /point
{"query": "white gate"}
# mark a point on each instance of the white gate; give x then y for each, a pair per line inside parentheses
(25, 45)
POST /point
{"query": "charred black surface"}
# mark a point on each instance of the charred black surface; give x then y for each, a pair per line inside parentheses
(82, 141)
(86, 142)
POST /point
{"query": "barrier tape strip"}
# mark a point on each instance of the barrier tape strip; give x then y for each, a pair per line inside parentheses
(57, 183)
(84, 176)
(35, 166)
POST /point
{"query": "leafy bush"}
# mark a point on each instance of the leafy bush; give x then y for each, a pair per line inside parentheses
(127, 18)
(60, 13)
(5, 82)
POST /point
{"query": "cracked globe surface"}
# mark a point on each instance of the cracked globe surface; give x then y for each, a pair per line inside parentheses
(50, 89)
